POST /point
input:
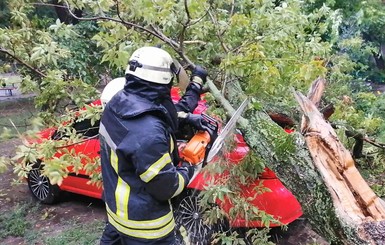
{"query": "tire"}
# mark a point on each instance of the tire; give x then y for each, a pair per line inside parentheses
(41, 188)
(190, 225)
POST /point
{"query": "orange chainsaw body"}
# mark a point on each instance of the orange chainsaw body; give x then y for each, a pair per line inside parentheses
(195, 149)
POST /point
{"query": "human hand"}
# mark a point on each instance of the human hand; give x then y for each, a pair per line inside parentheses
(199, 75)
(196, 121)
(189, 168)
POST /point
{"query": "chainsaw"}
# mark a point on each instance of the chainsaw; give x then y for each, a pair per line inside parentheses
(205, 145)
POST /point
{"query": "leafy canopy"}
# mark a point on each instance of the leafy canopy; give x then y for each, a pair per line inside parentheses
(259, 48)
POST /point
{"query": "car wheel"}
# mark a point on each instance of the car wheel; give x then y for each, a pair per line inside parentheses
(190, 226)
(40, 186)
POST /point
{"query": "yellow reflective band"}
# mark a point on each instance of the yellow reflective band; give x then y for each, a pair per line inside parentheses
(171, 144)
(145, 234)
(180, 186)
(122, 194)
(142, 224)
(154, 169)
(114, 161)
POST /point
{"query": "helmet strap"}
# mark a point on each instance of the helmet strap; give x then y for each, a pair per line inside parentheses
(175, 70)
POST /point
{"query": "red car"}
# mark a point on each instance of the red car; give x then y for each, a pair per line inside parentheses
(278, 202)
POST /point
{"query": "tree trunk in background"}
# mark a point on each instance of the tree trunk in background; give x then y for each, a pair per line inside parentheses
(64, 15)
(321, 174)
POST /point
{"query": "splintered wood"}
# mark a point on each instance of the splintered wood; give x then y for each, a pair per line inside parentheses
(353, 199)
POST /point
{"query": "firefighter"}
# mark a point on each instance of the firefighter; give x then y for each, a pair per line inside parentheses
(139, 155)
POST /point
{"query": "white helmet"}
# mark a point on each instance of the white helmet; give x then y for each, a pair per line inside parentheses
(151, 64)
(111, 89)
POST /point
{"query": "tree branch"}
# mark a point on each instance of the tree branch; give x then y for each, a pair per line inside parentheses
(219, 36)
(224, 102)
(359, 136)
(184, 28)
(76, 143)
(2, 50)
(176, 46)
(104, 18)
(195, 42)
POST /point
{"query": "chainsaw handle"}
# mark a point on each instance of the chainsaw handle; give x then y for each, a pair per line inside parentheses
(211, 126)
(197, 148)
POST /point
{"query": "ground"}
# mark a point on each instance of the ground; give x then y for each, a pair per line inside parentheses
(75, 219)
(46, 220)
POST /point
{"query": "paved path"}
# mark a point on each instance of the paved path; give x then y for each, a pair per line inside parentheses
(16, 95)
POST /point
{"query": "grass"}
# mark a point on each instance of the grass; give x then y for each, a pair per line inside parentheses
(14, 222)
(16, 113)
(17, 223)
(78, 234)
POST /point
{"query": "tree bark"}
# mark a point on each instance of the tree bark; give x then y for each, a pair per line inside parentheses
(321, 174)
(296, 170)
(64, 14)
(294, 167)
(357, 206)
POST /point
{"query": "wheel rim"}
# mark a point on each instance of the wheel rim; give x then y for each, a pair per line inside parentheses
(189, 215)
(39, 184)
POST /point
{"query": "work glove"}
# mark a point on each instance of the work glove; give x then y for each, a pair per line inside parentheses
(199, 75)
(194, 120)
(190, 169)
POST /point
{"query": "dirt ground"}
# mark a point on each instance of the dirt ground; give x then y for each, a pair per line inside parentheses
(51, 220)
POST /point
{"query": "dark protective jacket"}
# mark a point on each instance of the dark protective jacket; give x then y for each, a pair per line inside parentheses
(138, 158)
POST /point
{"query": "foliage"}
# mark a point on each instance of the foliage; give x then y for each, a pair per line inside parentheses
(84, 62)
(361, 32)
(373, 168)
(43, 54)
(368, 106)
(231, 179)
(244, 44)
(253, 236)
(4, 14)
(57, 152)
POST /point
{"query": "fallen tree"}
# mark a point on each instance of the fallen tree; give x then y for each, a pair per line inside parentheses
(321, 173)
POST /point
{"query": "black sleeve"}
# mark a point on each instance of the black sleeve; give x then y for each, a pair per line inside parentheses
(189, 100)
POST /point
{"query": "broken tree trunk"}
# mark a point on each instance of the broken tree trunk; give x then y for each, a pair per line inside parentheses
(297, 170)
(359, 211)
(288, 156)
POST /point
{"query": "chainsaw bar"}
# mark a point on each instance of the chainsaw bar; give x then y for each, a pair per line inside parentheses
(218, 143)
